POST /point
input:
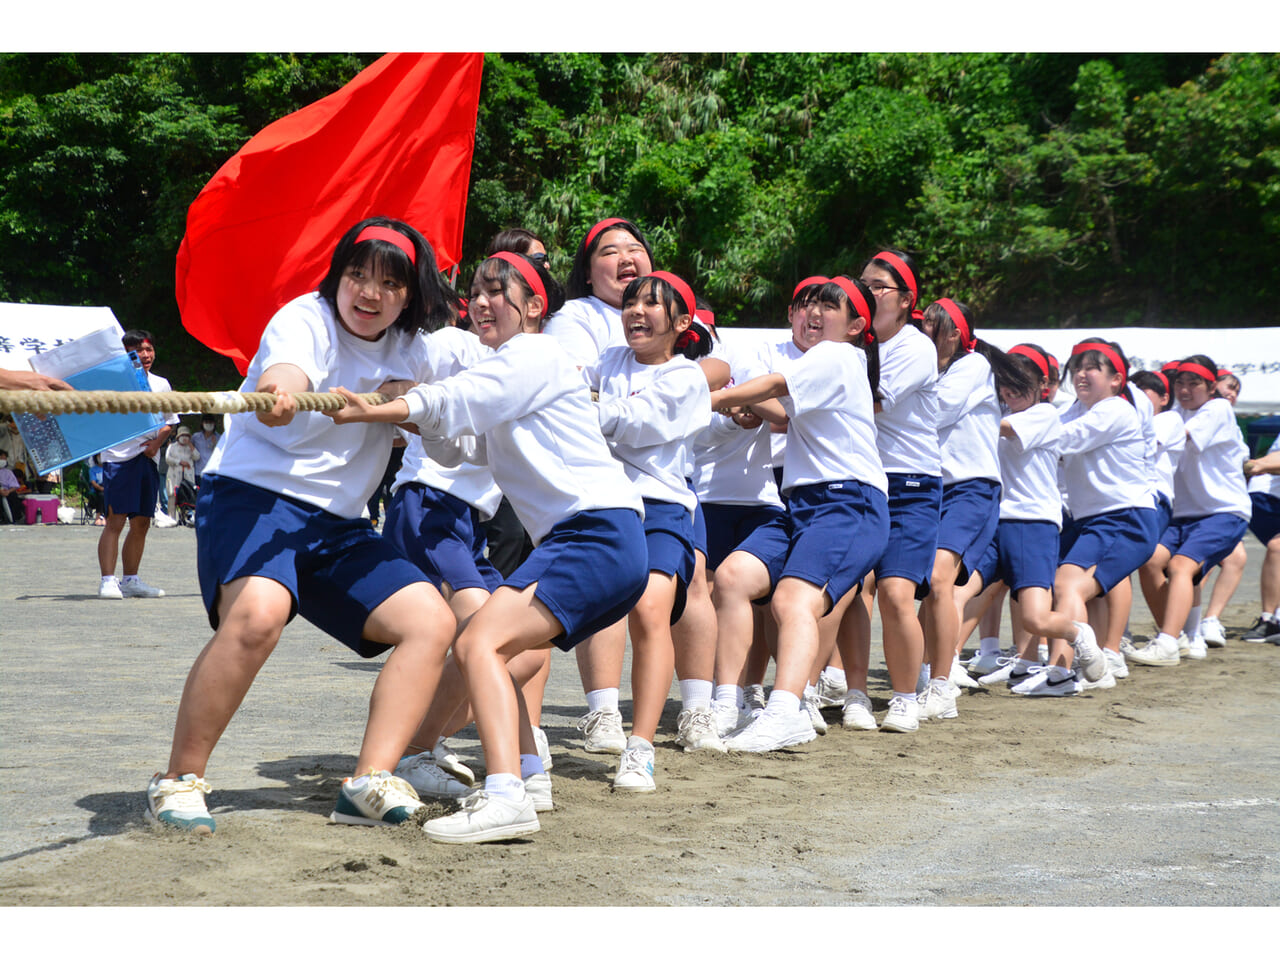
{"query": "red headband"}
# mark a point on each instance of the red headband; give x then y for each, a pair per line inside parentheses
(967, 339)
(860, 305)
(1199, 370)
(529, 273)
(1224, 372)
(1116, 363)
(1040, 360)
(1170, 367)
(904, 271)
(393, 237)
(1053, 361)
(1164, 380)
(596, 230)
(808, 282)
(705, 317)
(682, 289)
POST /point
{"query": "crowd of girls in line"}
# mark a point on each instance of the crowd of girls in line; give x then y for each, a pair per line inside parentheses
(591, 463)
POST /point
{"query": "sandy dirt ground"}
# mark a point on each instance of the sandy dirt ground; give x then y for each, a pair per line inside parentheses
(1162, 791)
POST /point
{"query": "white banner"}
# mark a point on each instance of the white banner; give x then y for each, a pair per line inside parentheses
(27, 329)
(1251, 353)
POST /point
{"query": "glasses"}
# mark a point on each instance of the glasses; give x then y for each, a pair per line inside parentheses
(540, 258)
(877, 288)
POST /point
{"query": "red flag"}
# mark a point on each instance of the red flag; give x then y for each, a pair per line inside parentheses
(396, 141)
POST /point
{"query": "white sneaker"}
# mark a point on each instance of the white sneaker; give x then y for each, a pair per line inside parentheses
(602, 732)
(857, 711)
(1033, 678)
(163, 520)
(136, 588)
(109, 589)
(1126, 645)
(449, 762)
(180, 803)
(696, 730)
(937, 702)
(903, 716)
(1198, 649)
(773, 732)
(809, 704)
(1116, 665)
(1067, 686)
(753, 699)
(1211, 630)
(830, 693)
(635, 771)
(422, 773)
(729, 718)
(382, 800)
(537, 787)
(1156, 655)
(484, 819)
(982, 664)
(1107, 681)
(1089, 660)
(1000, 673)
(1184, 644)
(960, 677)
(544, 748)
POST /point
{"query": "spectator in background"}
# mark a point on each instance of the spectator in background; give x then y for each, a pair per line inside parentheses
(94, 491)
(205, 441)
(182, 458)
(10, 502)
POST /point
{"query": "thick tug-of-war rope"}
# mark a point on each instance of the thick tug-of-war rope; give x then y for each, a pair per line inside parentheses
(58, 402)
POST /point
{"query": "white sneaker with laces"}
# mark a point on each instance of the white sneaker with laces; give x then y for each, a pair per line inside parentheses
(1000, 673)
(903, 716)
(426, 777)
(1155, 654)
(602, 732)
(537, 787)
(729, 717)
(960, 677)
(696, 730)
(1198, 649)
(1211, 630)
(1184, 644)
(1116, 665)
(635, 770)
(982, 664)
(938, 702)
(109, 589)
(773, 732)
(829, 692)
(136, 588)
(544, 748)
(809, 703)
(381, 800)
(180, 803)
(857, 711)
(1089, 659)
(1034, 677)
(1105, 682)
(484, 819)
(1049, 686)
(449, 762)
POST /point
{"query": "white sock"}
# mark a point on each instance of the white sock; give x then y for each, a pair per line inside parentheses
(696, 694)
(906, 696)
(530, 763)
(729, 693)
(781, 702)
(639, 743)
(1166, 641)
(130, 577)
(1059, 673)
(1028, 663)
(1192, 626)
(988, 645)
(606, 698)
(1275, 615)
(504, 785)
(112, 577)
(810, 690)
(835, 676)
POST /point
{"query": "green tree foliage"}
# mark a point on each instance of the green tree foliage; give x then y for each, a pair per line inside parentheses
(1041, 188)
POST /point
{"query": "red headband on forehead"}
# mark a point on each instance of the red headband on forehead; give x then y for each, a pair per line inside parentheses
(1164, 380)
(1040, 360)
(967, 339)
(683, 290)
(705, 317)
(393, 237)
(1053, 361)
(904, 272)
(860, 306)
(1116, 363)
(599, 227)
(808, 282)
(528, 272)
(1224, 372)
(1199, 370)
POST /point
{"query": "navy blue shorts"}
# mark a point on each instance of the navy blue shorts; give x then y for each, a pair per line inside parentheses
(1207, 540)
(915, 509)
(1265, 522)
(1023, 553)
(970, 513)
(1164, 514)
(337, 570)
(728, 524)
(131, 487)
(832, 536)
(1117, 543)
(699, 529)
(668, 536)
(443, 537)
(590, 569)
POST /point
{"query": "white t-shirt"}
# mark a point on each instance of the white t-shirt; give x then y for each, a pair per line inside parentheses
(907, 424)
(1104, 458)
(1268, 483)
(1210, 478)
(131, 448)
(449, 351)
(1029, 466)
(968, 421)
(733, 465)
(313, 459)
(1171, 441)
(586, 328)
(832, 433)
(537, 429)
(650, 413)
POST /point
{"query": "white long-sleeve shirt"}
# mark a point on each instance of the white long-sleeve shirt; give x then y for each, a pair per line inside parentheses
(1104, 463)
(1210, 476)
(586, 328)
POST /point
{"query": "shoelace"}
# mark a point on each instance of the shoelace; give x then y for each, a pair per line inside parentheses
(184, 794)
(385, 787)
(632, 761)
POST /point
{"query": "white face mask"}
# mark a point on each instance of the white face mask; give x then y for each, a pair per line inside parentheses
(3, 463)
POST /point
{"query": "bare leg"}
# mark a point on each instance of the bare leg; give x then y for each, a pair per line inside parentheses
(600, 658)
(741, 579)
(1229, 578)
(903, 635)
(694, 634)
(941, 617)
(652, 654)
(853, 640)
(797, 606)
(135, 541)
(109, 543)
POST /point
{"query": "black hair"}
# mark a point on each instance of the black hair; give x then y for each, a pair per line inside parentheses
(832, 293)
(703, 306)
(899, 279)
(579, 282)
(1077, 360)
(1200, 360)
(698, 342)
(132, 339)
(1149, 380)
(505, 274)
(513, 240)
(431, 303)
(1051, 377)
(1009, 373)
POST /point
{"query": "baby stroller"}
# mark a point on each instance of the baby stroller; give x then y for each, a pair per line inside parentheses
(185, 495)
